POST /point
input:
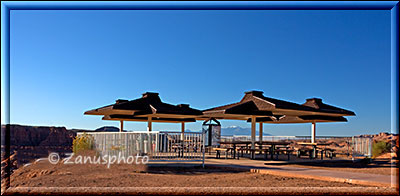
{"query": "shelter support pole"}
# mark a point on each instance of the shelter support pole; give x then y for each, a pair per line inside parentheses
(313, 130)
(260, 134)
(182, 130)
(253, 135)
(181, 151)
(149, 125)
(121, 126)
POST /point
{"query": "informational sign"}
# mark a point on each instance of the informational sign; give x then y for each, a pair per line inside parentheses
(213, 137)
(205, 130)
(216, 135)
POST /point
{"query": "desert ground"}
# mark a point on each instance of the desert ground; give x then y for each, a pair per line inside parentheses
(173, 178)
(44, 174)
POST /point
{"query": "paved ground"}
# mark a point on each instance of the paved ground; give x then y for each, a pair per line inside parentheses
(322, 174)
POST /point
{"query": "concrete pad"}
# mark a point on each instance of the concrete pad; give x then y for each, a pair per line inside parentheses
(320, 174)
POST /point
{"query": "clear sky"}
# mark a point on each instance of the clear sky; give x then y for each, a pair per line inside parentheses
(66, 62)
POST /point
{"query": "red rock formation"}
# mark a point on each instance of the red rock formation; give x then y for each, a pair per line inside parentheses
(31, 142)
(40, 136)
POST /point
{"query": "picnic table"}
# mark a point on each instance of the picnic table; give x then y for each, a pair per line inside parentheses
(234, 143)
(272, 145)
(315, 146)
(181, 146)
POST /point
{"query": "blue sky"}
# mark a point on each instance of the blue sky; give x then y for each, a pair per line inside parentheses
(66, 62)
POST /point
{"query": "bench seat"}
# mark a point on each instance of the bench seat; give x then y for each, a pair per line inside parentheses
(219, 150)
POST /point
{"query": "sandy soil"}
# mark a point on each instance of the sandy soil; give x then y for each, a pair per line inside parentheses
(44, 174)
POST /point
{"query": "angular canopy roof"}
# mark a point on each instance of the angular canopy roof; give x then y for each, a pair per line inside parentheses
(267, 109)
(300, 119)
(254, 103)
(317, 104)
(148, 106)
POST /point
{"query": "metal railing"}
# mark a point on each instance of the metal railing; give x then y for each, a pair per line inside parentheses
(362, 146)
(188, 146)
(264, 138)
(355, 146)
(158, 146)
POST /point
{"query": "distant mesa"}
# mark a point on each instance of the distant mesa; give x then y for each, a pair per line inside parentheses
(236, 130)
(107, 129)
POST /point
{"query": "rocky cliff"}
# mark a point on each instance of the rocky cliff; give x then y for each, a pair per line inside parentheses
(39, 136)
(31, 142)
